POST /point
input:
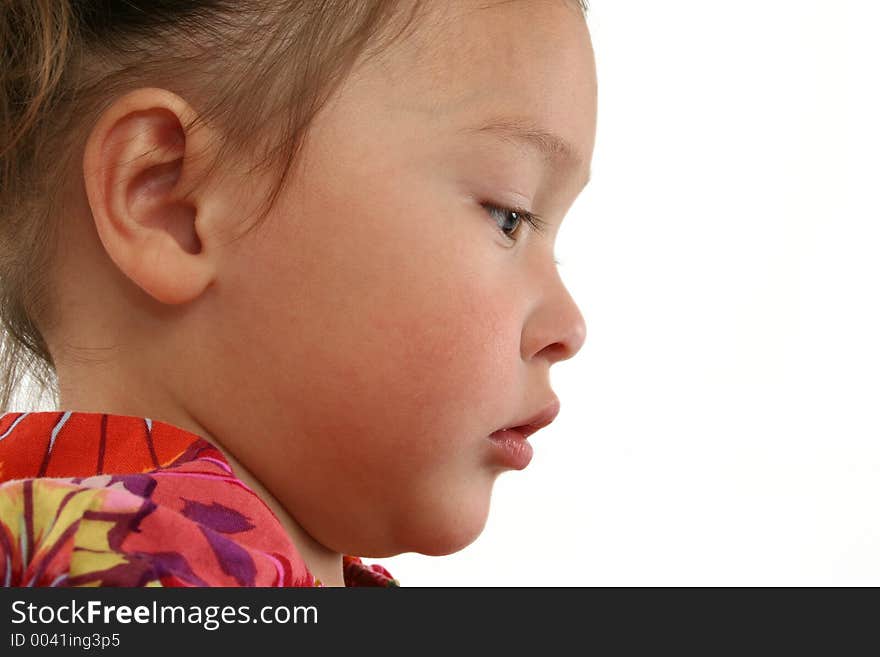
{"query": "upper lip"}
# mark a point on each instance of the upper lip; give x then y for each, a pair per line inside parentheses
(539, 420)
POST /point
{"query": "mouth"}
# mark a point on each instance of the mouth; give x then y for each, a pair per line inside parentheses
(510, 447)
(534, 423)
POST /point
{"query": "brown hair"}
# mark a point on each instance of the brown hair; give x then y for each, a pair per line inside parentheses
(260, 70)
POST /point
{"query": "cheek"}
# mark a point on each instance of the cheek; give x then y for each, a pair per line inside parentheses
(453, 357)
(434, 391)
(423, 324)
(401, 418)
(397, 350)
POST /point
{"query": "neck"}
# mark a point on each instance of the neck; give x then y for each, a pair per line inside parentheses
(322, 562)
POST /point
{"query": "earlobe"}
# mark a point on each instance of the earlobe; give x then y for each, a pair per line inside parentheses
(141, 166)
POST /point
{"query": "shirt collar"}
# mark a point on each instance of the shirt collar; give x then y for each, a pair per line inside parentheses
(82, 444)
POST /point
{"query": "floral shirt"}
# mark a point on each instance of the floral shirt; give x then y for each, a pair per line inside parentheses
(95, 499)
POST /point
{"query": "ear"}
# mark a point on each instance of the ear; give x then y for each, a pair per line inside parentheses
(141, 165)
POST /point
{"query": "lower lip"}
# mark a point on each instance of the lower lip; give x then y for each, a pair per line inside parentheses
(511, 449)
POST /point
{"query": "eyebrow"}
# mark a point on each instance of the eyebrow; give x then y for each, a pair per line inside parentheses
(527, 131)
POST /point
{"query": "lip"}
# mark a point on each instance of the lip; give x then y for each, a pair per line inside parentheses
(511, 448)
(537, 421)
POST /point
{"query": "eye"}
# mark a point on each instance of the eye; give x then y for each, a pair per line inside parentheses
(510, 219)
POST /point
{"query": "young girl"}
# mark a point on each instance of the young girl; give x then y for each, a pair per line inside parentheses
(290, 265)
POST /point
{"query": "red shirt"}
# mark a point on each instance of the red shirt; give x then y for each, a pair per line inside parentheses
(96, 499)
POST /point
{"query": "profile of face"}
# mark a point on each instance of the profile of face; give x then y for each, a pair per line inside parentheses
(357, 349)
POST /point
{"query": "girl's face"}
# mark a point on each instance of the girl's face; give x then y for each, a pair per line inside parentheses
(380, 326)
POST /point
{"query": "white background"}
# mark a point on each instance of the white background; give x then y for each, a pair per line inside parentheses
(720, 425)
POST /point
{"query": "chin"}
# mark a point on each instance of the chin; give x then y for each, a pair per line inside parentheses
(448, 545)
(435, 541)
(442, 524)
(447, 531)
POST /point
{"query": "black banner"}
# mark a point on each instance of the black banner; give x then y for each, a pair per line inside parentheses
(564, 621)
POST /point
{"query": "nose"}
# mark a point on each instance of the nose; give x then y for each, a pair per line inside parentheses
(556, 329)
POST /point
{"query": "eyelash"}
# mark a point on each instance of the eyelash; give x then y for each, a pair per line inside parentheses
(533, 220)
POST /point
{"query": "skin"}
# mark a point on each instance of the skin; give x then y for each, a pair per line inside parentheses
(352, 355)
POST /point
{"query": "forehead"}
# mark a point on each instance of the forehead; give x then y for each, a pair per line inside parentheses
(471, 63)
